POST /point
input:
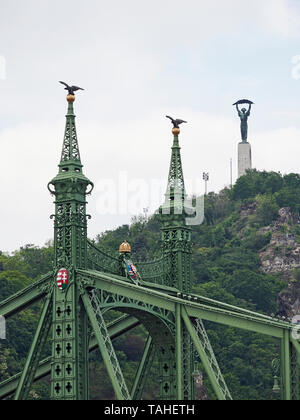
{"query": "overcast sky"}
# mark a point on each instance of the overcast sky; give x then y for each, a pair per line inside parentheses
(138, 62)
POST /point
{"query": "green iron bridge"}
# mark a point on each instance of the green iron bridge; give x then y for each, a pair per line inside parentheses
(87, 282)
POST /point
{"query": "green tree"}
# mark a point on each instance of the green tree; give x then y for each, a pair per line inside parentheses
(267, 209)
(11, 282)
(289, 197)
(260, 289)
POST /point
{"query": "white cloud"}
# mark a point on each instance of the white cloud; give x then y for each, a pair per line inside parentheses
(280, 17)
(137, 61)
(140, 148)
(277, 150)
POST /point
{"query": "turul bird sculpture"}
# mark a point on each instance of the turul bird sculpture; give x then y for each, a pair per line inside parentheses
(71, 89)
(176, 123)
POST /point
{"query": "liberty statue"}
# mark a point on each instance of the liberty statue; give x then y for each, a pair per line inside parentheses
(244, 114)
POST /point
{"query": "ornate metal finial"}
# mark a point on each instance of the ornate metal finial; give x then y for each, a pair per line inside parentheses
(71, 90)
(244, 114)
(125, 248)
(176, 125)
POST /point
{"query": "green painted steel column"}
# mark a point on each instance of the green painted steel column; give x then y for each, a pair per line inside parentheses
(295, 371)
(69, 366)
(179, 353)
(286, 365)
(177, 250)
(176, 235)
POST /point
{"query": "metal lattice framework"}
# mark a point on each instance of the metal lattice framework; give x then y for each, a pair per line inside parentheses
(161, 299)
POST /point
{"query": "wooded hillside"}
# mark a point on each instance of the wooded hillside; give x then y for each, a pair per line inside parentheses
(247, 230)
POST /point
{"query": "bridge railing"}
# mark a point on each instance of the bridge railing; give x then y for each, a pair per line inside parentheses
(153, 271)
(100, 260)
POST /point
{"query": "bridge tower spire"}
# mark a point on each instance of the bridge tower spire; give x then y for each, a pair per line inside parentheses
(176, 188)
(69, 367)
(176, 234)
(177, 251)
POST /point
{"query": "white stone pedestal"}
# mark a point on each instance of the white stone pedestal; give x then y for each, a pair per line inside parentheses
(244, 158)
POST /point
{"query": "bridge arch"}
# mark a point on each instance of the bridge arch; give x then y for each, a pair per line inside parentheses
(161, 329)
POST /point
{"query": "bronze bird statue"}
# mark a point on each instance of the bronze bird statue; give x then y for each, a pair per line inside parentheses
(71, 89)
(176, 123)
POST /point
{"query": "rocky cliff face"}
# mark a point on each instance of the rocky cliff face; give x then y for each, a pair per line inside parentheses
(282, 256)
(283, 253)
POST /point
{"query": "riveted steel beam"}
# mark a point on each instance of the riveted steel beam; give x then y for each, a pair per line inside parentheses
(116, 328)
(105, 345)
(201, 351)
(249, 322)
(35, 352)
(143, 370)
(26, 297)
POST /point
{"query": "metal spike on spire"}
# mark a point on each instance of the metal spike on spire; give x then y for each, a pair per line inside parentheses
(70, 166)
(176, 187)
(70, 152)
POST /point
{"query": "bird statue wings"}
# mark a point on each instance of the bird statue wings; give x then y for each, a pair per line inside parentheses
(176, 123)
(71, 89)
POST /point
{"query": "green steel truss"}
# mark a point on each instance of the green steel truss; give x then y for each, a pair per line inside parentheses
(73, 317)
(94, 311)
